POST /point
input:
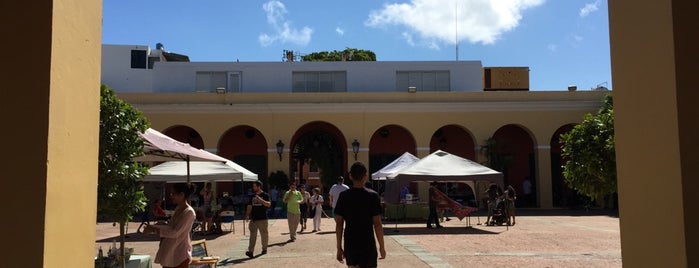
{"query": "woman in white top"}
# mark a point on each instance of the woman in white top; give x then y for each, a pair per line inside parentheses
(316, 208)
(175, 245)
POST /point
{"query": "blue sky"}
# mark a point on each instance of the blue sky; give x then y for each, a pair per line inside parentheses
(563, 42)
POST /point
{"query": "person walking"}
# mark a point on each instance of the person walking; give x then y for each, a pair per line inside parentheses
(256, 213)
(510, 197)
(274, 196)
(433, 200)
(335, 191)
(316, 208)
(304, 206)
(292, 199)
(358, 210)
(175, 248)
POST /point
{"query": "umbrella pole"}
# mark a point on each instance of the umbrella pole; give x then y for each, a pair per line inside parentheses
(188, 180)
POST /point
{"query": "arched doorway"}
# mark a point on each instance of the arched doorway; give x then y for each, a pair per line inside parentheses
(454, 140)
(516, 147)
(185, 134)
(387, 144)
(318, 155)
(246, 146)
(563, 196)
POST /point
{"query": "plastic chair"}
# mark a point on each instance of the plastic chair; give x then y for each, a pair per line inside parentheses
(228, 216)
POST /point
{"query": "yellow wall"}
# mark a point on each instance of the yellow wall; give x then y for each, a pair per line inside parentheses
(359, 115)
(654, 58)
(49, 165)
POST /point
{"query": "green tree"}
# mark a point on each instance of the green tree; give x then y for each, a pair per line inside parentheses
(120, 190)
(589, 150)
(350, 54)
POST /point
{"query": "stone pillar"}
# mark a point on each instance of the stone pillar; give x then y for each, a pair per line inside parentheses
(654, 57)
(544, 194)
(50, 115)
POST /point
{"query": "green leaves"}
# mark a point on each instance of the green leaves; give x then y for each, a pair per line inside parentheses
(589, 149)
(120, 191)
(350, 54)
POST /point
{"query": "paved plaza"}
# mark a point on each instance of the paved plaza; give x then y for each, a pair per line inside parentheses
(541, 238)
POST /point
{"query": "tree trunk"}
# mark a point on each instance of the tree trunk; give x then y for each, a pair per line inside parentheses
(122, 249)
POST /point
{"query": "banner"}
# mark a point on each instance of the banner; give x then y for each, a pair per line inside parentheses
(444, 202)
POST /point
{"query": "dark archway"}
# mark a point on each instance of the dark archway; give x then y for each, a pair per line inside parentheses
(318, 154)
(455, 140)
(516, 145)
(246, 146)
(387, 144)
(563, 196)
(185, 134)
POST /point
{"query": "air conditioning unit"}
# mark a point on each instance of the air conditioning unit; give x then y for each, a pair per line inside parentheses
(220, 90)
(412, 89)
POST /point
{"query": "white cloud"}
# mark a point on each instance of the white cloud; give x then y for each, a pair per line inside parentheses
(552, 47)
(479, 21)
(283, 32)
(588, 9)
(339, 31)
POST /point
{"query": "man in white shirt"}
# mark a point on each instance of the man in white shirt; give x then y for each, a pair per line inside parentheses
(335, 191)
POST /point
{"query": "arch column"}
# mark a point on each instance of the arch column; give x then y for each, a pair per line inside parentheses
(654, 56)
(50, 106)
(544, 195)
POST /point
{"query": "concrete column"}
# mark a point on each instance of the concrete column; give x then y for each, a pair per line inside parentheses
(654, 57)
(50, 113)
(544, 194)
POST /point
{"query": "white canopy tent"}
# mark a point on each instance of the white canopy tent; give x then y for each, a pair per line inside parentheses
(199, 171)
(442, 167)
(401, 162)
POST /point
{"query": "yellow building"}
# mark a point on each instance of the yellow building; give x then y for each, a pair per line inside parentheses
(50, 114)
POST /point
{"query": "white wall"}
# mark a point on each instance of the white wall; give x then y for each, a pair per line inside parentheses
(276, 76)
(262, 77)
(117, 72)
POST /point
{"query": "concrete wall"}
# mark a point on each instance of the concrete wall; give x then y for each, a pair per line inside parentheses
(654, 57)
(260, 77)
(49, 164)
(117, 72)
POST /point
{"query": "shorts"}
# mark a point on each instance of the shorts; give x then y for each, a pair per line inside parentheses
(361, 257)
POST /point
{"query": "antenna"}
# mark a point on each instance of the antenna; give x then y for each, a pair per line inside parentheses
(456, 28)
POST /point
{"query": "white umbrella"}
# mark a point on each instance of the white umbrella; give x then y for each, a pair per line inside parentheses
(172, 171)
(159, 147)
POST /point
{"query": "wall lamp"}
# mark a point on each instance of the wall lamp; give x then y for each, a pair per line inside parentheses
(280, 149)
(355, 148)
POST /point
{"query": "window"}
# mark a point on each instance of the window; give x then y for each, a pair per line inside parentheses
(319, 81)
(139, 59)
(211, 81)
(423, 80)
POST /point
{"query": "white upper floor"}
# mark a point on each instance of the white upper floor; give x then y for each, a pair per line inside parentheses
(138, 69)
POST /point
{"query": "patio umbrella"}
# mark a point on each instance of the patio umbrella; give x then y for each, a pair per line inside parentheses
(158, 148)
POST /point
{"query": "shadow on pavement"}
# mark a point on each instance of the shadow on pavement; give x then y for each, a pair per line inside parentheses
(401, 230)
(141, 237)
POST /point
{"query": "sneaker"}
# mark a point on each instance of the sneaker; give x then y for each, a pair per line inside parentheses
(249, 254)
(264, 252)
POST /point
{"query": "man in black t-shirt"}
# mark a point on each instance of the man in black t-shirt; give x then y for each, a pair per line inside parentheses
(256, 212)
(360, 208)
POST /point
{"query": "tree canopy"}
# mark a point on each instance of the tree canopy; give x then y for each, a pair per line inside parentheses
(589, 150)
(349, 54)
(120, 191)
